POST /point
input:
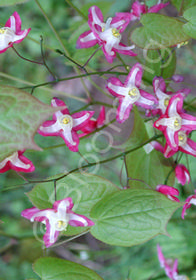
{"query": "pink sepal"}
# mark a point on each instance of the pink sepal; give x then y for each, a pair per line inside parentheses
(94, 124)
(46, 236)
(121, 48)
(114, 81)
(123, 18)
(96, 22)
(125, 111)
(82, 114)
(77, 220)
(137, 78)
(182, 174)
(157, 146)
(147, 96)
(159, 84)
(86, 43)
(170, 192)
(188, 203)
(158, 7)
(177, 78)
(129, 16)
(20, 159)
(29, 213)
(69, 203)
(137, 9)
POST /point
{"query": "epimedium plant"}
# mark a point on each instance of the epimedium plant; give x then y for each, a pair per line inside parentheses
(77, 201)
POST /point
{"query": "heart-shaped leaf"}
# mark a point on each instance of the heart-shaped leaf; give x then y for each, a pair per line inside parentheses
(159, 32)
(58, 269)
(20, 116)
(84, 189)
(131, 216)
(190, 26)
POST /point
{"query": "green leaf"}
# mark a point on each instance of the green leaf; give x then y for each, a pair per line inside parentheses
(131, 216)
(159, 32)
(11, 2)
(159, 63)
(58, 269)
(182, 5)
(21, 114)
(190, 26)
(85, 190)
(141, 165)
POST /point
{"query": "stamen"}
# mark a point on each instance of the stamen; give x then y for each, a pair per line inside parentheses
(65, 120)
(177, 123)
(133, 92)
(2, 31)
(182, 137)
(115, 32)
(61, 225)
(166, 101)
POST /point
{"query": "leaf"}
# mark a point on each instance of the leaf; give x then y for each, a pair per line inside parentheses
(58, 269)
(85, 190)
(131, 216)
(182, 5)
(11, 2)
(151, 168)
(159, 63)
(190, 26)
(21, 114)
(159, 32)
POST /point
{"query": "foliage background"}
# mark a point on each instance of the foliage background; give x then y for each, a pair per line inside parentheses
(19, 248)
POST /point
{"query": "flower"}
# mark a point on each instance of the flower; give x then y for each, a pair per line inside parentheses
(170, 266)
(56, 219)
(129, 93)
(164, 96)
(138, 9)
(185, 145)
(174, 121)
(170, 192)
(94, 124)
(182, 174)
(11, 33)
(17, 162)
(107, 35)
(65, 125)
(190, 200)
(177, 78)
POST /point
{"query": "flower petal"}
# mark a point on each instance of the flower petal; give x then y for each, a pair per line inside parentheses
(79, 220)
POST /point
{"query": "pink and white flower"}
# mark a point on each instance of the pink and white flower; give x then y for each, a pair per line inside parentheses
(182, 174)
(170, 192)
(185, 145)
(94, 124)
(56, 219)
(163, 96)
(188, 202)
(130, 93)
(11, 33)
(174, 121)
(170, 266)
(65, 125)
(18, 162)
(138, 9)
(107, 35)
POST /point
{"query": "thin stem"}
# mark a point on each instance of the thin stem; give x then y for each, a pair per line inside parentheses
(71, 59)
(76, 77)
(78, 10)
(26, 59)
(124, 64)
(83, 66)
(52, 27)
(91, 164)
(55, 190)
(44, 61)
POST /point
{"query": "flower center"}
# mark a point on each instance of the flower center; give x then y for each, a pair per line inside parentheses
(66, 120)
(166, 102)
(134, 94)
(182, 137)
(61, 225)
(115, 33)
(177, 123)
(2, 31)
